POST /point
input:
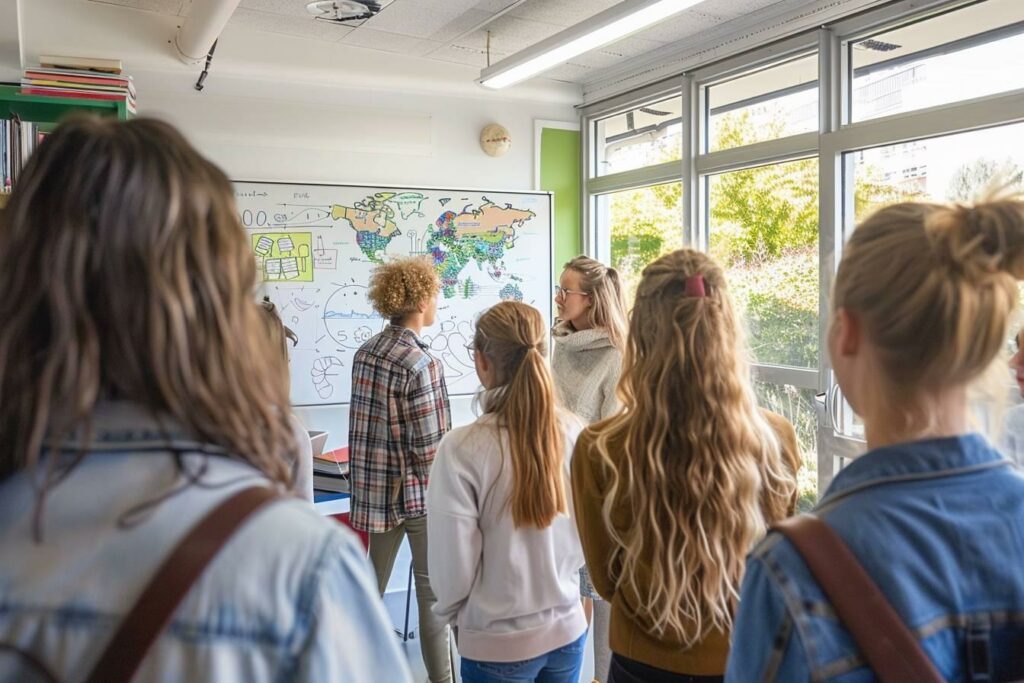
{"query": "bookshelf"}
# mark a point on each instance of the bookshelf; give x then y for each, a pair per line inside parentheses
(47, 112)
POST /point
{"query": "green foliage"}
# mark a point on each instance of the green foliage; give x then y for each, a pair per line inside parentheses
(797, 406)
(759, 213)
(645, 223)
(972, 180)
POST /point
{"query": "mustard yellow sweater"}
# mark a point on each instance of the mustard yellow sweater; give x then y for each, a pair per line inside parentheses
(630, 635)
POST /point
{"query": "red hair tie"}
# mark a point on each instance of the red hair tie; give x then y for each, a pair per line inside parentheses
(695, 287)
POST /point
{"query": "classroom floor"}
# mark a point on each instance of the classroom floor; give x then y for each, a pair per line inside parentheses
(394, 603)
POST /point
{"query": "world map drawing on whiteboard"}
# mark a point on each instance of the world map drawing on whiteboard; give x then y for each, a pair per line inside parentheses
(316, 246)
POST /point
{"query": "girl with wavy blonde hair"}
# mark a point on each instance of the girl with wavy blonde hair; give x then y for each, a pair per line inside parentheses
(504, 553)
(933, 513)
(674, 490)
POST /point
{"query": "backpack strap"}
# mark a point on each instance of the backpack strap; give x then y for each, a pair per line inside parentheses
(152, 612)
(889, 647)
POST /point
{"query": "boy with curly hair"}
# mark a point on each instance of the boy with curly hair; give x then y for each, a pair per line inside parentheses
(398, 414)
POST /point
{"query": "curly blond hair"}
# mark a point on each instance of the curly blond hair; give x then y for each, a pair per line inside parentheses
(398, 287)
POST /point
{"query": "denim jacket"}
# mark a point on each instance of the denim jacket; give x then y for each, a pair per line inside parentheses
(939, 527)
(289, 598)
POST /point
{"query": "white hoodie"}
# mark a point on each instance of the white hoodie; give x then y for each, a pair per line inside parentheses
(512, 593)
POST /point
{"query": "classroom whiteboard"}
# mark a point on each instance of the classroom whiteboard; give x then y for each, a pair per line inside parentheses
(316, 245)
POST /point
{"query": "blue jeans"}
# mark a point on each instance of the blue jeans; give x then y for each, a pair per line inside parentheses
(558, 666)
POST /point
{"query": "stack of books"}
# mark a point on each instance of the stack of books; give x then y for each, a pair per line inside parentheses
(79, 77)
(330, 471)
(17, 140)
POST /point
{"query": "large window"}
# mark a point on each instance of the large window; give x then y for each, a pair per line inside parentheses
(643, 136)
(952, 168)
(643, 223)
(768, 164)
(974, 51)
(763, 228)
(766, 104)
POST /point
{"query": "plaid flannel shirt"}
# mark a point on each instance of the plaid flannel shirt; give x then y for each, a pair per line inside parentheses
(398, 414)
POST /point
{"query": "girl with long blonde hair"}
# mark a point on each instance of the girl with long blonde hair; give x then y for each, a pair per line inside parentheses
(589, 338)
(139, 390)
(504, 554)
(921, 308)
(674, 490)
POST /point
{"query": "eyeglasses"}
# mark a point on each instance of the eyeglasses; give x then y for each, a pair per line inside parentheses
(472, 351)
(563, 292)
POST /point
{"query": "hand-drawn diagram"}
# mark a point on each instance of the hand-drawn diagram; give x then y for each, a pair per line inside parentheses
(325, 372)
(349, 317)
(448, 340)
(317, 245)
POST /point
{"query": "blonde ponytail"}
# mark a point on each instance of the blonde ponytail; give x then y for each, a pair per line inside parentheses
(513, 338)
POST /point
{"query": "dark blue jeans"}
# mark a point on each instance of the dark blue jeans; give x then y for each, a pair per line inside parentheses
(558, 666)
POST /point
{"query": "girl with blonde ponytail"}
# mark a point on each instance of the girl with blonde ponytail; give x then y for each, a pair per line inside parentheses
(932, 512)
(503, 552)
(673, 491)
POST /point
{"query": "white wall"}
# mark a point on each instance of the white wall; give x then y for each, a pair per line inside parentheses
(283, 108)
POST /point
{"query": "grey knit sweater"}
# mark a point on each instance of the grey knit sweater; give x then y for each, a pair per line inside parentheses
(586, 368)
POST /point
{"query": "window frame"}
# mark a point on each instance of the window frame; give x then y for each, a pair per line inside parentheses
(836, 136)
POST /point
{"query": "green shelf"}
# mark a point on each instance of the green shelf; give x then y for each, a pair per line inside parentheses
(48, 111)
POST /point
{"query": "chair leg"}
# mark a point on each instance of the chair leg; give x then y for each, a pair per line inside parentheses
(408, 602)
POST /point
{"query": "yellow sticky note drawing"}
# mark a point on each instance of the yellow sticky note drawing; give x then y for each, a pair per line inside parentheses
(284, 255)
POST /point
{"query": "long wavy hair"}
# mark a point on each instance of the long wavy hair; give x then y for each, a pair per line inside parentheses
(690, 456)
(607, 302)
(127, 276)
(513, 338)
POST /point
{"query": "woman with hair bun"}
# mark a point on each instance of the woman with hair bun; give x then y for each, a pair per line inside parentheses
(675, 488)
(932, 512)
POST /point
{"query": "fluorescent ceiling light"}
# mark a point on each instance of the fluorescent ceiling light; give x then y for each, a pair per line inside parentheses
(607, 27)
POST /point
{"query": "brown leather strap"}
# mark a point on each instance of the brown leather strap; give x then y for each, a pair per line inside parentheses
(889, 647)
(168, 587)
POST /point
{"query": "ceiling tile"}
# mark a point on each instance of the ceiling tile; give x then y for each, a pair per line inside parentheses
(732, 9)
(572, 73)
(489, 6)
(459, 54)
(305, 27)
(684, 25)
(436, 22)
(510, 34)
(290, 7)
(389, 42)
(161, 6)
(561, 12)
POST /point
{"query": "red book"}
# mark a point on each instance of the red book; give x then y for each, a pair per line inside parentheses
(59, 92)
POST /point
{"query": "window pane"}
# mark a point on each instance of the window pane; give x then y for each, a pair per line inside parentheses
(797, 406)
(641, 225)
(970, 52)
(951, 168)
(763, 229)
(764, 105)
(648, 135)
